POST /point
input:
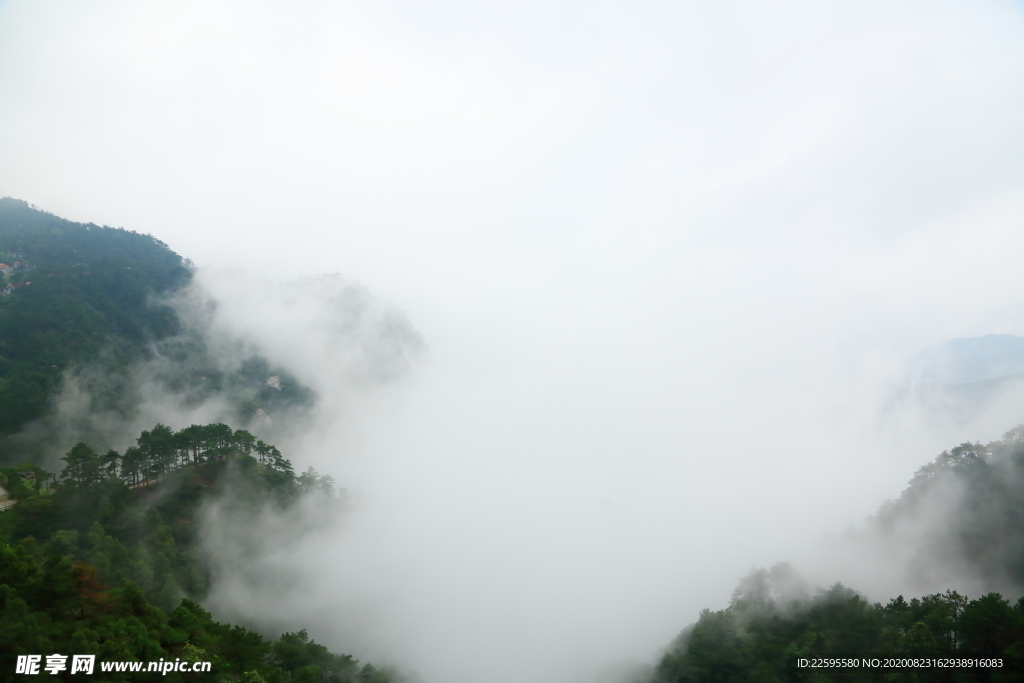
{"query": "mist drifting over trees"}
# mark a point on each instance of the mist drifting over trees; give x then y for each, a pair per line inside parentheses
(593, 308)
(111, 553)
(239, 514)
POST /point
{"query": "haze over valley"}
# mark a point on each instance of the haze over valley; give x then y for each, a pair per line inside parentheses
(589, 312)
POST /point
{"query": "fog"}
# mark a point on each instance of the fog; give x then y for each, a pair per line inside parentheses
(670, 263)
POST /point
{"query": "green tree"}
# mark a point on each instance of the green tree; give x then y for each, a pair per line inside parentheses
(83, 465)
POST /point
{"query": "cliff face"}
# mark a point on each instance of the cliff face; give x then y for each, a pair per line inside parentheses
(5, 500)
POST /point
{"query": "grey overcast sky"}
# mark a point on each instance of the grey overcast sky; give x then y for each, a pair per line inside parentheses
(669, 257)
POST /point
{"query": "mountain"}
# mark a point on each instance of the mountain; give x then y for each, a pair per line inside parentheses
(107, 559)
(95, 321)
(960, 379)
(770, 634)
(961, 514)
(74, 291)
(970, 359)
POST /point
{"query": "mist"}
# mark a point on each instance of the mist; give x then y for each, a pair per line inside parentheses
(668, 266)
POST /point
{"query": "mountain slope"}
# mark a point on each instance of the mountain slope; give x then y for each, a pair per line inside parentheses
(108, 560)
(962, 515)
(76, 291)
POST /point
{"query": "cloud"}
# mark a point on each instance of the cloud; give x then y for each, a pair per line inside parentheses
(668, 259)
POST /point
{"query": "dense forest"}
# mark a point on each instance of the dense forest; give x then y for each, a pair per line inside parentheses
(774, 617)
(105, 558)
(74, 291)
(765, 631)
(986, 532)
(94, 304)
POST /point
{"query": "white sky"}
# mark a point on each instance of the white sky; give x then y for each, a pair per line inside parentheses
(667, 257)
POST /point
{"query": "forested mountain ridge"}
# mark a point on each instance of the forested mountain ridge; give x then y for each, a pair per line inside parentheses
(762, 635)
(106, 558)
(774, 617)
(77, 291)
(116, 317)
(985, 530)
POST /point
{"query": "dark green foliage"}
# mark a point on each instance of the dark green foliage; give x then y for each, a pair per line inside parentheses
(59, 605)
(100, 512)
(987, 532)
(773, 620)
(758, 638)
(88, 302)
(252, 378)
(120, 572)
(79, 290)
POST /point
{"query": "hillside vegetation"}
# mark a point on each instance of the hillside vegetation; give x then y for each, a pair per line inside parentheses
(78, 290)
(105, 558)
(98, 308)
(763, 634)
(774, 618)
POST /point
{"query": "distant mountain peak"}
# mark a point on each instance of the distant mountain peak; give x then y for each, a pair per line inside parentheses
(970, 359)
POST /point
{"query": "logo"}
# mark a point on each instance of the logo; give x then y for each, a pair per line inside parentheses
(30, 664)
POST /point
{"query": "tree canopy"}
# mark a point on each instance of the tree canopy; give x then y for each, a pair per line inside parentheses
(104, 558)
(774, 618)
(78, 290)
